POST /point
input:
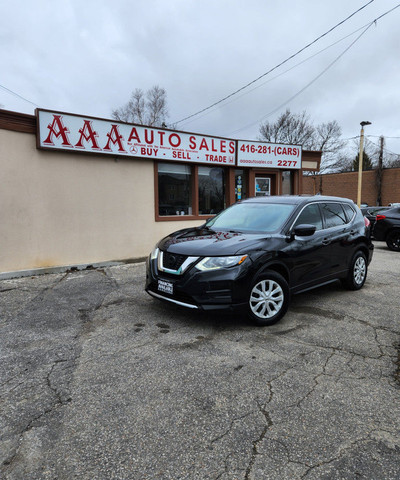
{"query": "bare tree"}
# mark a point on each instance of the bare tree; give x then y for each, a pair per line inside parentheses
(375, 156)
(297, 128)
(144, 109)
(394, 163)
(289, 128)
(389, 159)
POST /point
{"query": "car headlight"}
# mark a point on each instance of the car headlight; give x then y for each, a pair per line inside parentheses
(214, 263)
(154, 253)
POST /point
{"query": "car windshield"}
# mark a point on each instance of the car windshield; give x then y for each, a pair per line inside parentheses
(252, 217)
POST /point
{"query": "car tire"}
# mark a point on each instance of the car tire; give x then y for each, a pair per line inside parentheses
(357, 273)
(393, 240)
(268, 299)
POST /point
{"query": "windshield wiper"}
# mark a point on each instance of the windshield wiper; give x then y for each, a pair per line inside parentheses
(205, 227)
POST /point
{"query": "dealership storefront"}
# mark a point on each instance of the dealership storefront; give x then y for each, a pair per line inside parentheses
(86, 190)
(195, 175)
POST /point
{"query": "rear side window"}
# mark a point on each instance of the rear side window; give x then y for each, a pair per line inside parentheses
(310, 215)
(334, 215)
(349, 212)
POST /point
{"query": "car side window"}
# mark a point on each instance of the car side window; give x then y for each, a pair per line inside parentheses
(349, 212)
(310, 215)
(333, 214)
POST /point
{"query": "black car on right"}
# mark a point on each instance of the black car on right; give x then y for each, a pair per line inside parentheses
(372, 212)
(387, 228)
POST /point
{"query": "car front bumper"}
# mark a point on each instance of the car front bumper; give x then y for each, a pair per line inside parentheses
(223, 289)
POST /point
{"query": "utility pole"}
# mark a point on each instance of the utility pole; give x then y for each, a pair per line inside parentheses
(379, 172)
(360, 162)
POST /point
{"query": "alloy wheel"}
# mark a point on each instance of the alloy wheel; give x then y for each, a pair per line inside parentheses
(360, 269)
(266, 299)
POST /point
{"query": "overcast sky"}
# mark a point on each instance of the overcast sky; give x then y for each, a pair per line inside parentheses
(86, 57)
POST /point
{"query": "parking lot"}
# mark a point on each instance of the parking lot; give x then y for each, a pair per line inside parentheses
(100, 381)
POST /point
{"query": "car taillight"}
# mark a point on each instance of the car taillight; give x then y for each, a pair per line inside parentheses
(380, 217)
(367, 222)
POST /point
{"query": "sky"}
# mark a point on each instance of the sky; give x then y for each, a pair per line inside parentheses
(87, 58)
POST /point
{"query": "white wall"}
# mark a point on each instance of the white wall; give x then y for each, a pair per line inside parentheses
(64, 209)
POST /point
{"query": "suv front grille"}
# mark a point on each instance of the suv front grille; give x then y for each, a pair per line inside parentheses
(173, 261)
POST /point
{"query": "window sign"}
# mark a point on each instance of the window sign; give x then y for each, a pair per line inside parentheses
(62, 131)
(263, 187)
(271, 155)
(240, 184)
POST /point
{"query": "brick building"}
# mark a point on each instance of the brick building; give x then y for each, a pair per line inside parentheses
(345, 185)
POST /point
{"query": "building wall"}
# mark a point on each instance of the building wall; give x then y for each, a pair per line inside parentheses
(62, 208)
(345, 185)
(68, 209)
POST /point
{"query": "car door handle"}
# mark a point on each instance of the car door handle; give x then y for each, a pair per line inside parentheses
(326, 241)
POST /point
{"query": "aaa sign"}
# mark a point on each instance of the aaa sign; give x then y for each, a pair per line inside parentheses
(64, 131)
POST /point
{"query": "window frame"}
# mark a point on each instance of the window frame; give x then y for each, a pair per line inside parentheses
(320, 203)
(274, 174)
(229, 198)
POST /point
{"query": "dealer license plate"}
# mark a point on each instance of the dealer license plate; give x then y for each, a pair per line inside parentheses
(165, 287)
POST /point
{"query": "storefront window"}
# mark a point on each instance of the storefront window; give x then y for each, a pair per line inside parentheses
(197, 190)
(174, 189)
(240, 185)
(287, 183)
(211, 190)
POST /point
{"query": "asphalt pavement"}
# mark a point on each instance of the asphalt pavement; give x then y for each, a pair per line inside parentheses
(100, 381)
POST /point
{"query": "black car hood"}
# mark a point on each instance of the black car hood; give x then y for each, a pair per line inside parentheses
(203, 242)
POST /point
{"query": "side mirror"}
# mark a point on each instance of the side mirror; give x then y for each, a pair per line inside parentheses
(304, 230)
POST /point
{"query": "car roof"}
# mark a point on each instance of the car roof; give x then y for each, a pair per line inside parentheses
(295, 199)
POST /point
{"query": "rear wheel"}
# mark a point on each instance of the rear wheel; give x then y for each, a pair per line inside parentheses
(357, 273)
(268, 299)
(393, 240)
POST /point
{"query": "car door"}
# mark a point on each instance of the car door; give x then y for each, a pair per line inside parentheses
(309, 256)
(335, 236)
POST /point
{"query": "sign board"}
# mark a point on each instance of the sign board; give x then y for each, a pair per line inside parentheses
(62, 131)
(268, 155)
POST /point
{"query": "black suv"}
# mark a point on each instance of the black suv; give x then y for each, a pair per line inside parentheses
(258, 252)
(387, 228)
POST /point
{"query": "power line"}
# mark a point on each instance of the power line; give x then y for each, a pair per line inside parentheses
(378, 136)
(18, 95)
(277, 66)
(350, 138)
(318, 76)
(367, 136)
(279, 74)
(373, 143)
(384, 148)
(306, 86)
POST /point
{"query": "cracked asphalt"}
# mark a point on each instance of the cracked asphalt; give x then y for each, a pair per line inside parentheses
(100, 381)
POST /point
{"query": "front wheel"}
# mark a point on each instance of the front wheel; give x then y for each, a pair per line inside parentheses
(393, 240)
(357, 273)
(268, 299)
